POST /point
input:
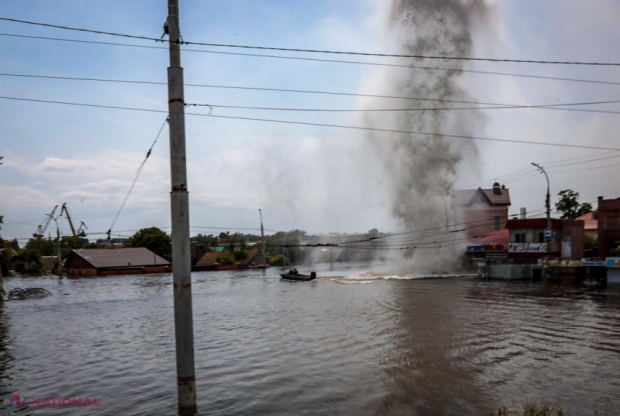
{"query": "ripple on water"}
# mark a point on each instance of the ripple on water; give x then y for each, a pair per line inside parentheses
(352, 342)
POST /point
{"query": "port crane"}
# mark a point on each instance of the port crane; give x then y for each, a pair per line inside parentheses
(80, 232)
(43, 226)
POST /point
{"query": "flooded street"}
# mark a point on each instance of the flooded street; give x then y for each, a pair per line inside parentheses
(352, 342)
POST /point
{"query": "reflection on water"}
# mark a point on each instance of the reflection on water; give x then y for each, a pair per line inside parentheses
(354, 341)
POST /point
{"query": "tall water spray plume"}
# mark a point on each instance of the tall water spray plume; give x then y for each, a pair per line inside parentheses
(423, 169)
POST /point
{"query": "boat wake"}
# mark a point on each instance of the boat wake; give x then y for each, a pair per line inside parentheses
(369, 276)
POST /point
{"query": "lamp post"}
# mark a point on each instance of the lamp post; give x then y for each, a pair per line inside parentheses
(548, 206)
(58, 236)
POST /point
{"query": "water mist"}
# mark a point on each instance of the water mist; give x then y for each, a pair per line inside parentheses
(422, 169)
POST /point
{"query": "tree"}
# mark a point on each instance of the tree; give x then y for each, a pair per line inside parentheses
(240, 255)
(291, 239)
(589, 243)
(569, 206)
(208, 240)
(6, 255)
(154, 239)
(27, 261)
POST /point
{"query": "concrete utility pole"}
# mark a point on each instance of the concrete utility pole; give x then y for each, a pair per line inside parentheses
(179, 209)
(548, 205)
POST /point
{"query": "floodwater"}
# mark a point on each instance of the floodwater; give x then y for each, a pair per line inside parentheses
(352, 342)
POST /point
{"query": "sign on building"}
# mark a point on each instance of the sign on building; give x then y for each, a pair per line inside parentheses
(527, 247)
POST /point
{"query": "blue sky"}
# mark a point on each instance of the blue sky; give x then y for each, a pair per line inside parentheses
(315, 178)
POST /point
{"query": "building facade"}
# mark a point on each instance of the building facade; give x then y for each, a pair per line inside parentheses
(482, 211)
(608, 217)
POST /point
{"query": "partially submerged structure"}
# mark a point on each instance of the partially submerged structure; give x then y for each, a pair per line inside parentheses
(225, 260)
(106, 262)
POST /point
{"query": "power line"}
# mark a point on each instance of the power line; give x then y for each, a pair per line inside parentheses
(325, 60)
(509, 177)
(452, 136)
(554, 106)
(594, 168)
(273, 48)
(338, 126)
(137, 176)
(326, 110)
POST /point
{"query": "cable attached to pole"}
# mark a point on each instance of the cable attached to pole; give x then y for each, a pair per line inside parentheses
(148, 153)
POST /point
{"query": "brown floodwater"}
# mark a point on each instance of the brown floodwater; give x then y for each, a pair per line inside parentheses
(356, 341)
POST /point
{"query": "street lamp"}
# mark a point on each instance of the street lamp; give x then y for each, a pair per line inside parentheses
(58, 236)
(548, 235)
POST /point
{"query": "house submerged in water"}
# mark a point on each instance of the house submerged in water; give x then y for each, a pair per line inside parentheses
(107, 262)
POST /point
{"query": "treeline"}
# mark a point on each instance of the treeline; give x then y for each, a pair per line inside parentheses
(276, 244)
(27, 259)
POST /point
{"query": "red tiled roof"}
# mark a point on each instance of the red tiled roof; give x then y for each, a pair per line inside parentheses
(466, 196)
(501, 198)
(119, 257)
(589, 223)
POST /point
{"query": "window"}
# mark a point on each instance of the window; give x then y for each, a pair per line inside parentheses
(496, 222)
(520, 237)
(541, 237)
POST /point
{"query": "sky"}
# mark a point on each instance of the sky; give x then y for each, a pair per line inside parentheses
(317, 178)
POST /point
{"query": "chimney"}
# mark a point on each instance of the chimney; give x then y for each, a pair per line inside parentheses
(522, 213)
(496, 189)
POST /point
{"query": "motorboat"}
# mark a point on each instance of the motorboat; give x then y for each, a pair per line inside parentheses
(298, 276)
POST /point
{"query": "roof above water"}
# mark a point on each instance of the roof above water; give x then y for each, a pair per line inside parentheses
(120, 257)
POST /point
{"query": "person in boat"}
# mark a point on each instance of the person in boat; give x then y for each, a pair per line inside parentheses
(295, 271)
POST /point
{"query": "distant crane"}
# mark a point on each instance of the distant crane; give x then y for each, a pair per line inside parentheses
(80, 232)
(43, 226)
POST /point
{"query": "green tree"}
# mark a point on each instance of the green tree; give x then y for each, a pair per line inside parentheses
(208, 240)
(224, 260)
(154, 239)
(569, 206)
(43, 246)
(6, 255)
(27, 261)
(291, 239)
(68, 244)
(276, 260)
(589, 242)
(240, 255)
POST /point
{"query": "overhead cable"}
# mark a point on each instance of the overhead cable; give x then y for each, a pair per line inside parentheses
(338, 126)
(273, 48)
(554, 106)
(298, 58)
(148, 153)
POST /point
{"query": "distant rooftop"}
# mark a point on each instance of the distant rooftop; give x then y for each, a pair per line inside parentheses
(121, 257)
(498, 195)
(590, 223)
